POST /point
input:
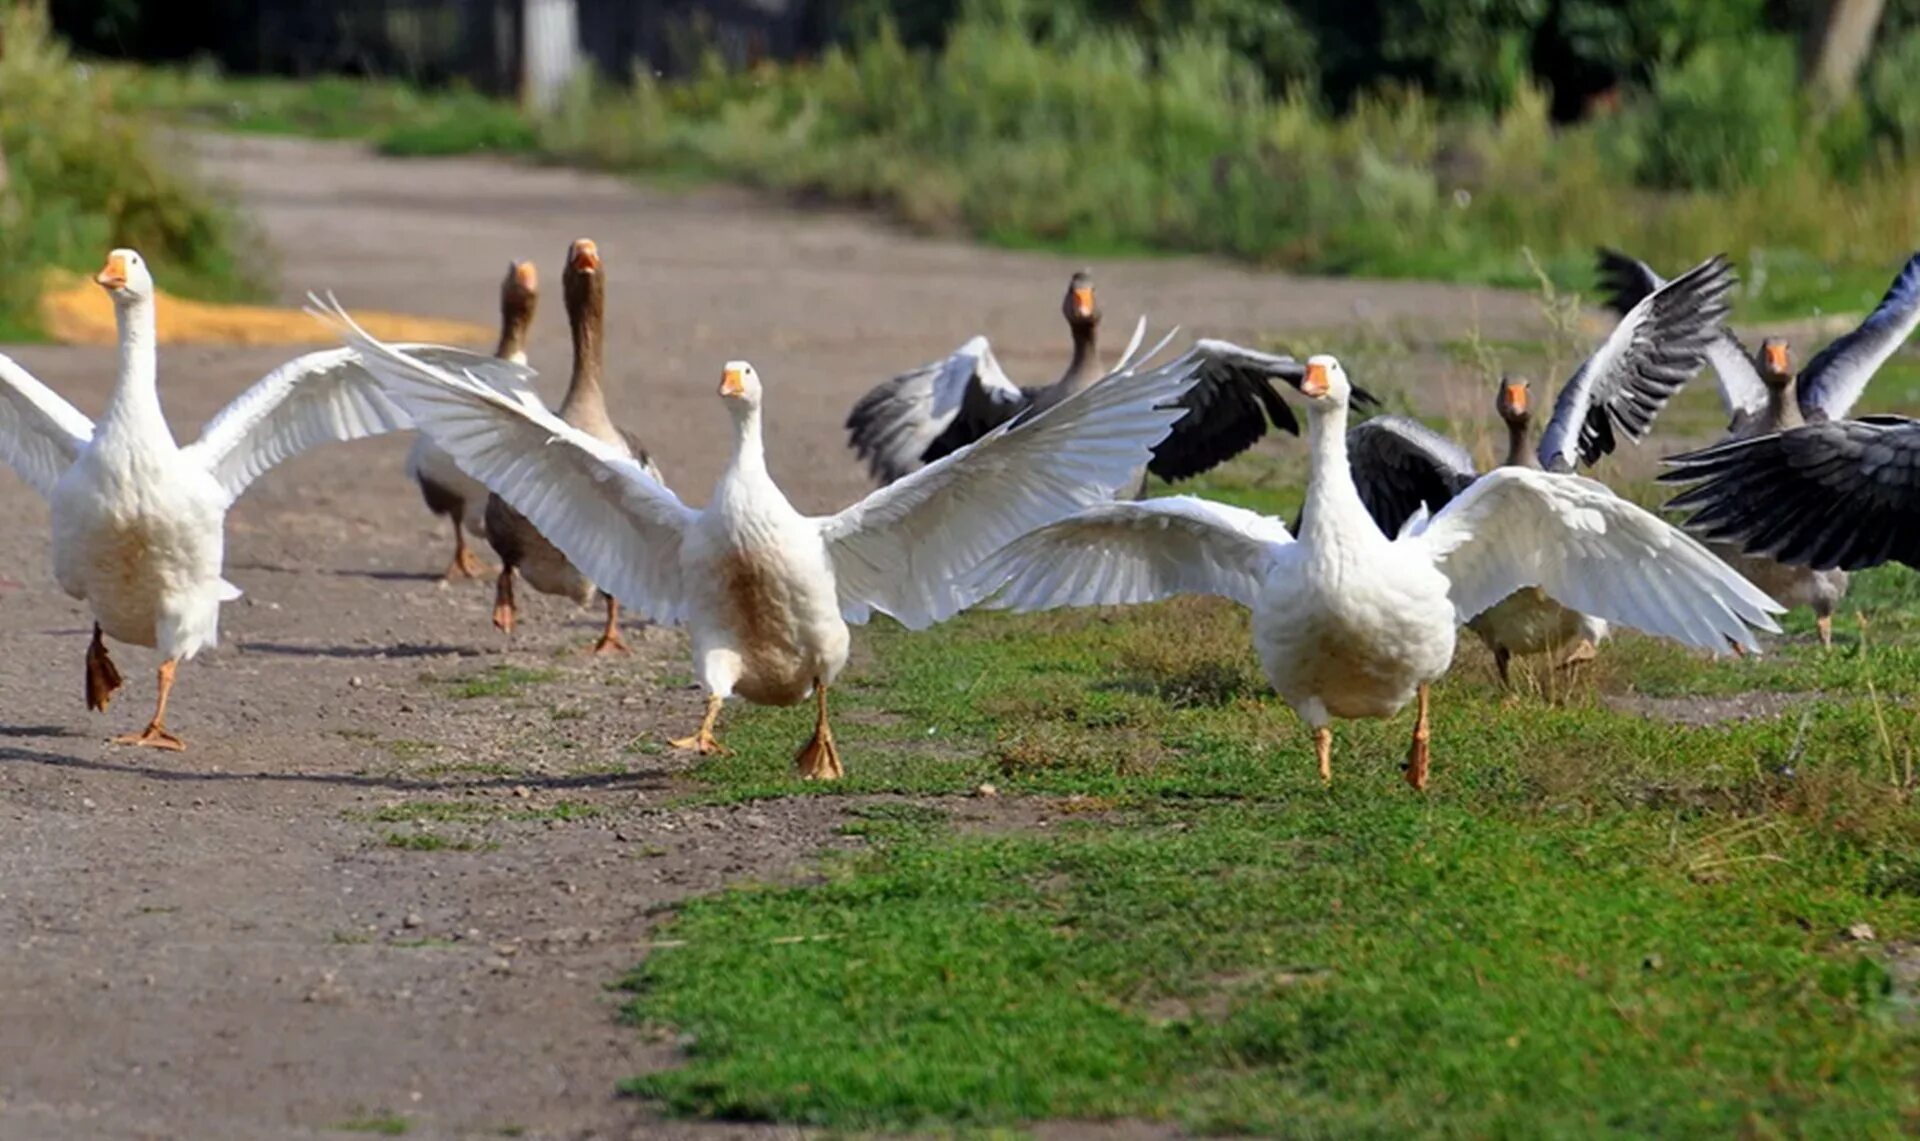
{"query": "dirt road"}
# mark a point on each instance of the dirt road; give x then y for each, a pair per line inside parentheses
(246, 940)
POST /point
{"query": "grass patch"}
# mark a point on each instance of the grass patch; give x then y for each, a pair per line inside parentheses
(496, 681)
(383, 1124)
(83, 175)
(434, 842)
(1593, 923)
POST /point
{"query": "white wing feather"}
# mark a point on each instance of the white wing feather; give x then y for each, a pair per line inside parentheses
(905, 548)
(1594, 552)
(40, 433)
(1120, 554)
(314, 399)
(612, 519)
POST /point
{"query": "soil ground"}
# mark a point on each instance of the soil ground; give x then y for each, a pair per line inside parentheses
(228, 942)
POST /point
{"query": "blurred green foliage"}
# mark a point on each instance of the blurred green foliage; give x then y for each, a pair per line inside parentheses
(84, 178)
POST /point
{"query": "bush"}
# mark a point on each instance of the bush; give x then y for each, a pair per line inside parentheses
(1893, 92)
(1728, 116)
(83, 180)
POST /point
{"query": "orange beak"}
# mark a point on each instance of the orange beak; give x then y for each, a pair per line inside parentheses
(114, 274)
(1777, 358)
(1082, 301)
(584, 256)
(1517, 397)
(526, 277)
(732, 383)
(1315, 382)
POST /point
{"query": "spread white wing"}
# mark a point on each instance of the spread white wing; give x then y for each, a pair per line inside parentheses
(40, 433)
(314, 399)
(905, 548)
(1118, 554)
(1592, 551)
(612, 519)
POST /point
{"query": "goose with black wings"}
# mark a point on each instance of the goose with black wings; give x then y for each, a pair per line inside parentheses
(931, 411)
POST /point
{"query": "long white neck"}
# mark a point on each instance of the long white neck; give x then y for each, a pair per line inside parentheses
(135, 403)
(749, 448)
(1331, 495)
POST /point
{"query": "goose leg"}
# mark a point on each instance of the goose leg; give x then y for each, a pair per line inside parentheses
(503, 601)
(155, 735)
(102, 677)
(1417, 753)
(1502, 659)
(703, 741)
(610, 640)
(464, 564)
(1323, 752)
(819, 758)
(1824, 624)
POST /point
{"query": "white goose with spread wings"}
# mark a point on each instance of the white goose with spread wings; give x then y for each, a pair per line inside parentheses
(138, 520)
(1401, 466)
(1350, 623)
(766, 592)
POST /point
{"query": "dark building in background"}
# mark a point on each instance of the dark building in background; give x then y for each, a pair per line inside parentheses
(478, 42)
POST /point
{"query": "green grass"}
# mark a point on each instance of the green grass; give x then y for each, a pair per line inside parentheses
(399, 118)
(1592, 923)
(496, 681)
(383, 1124)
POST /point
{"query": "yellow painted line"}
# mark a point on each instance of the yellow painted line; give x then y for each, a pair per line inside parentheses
(75, 311)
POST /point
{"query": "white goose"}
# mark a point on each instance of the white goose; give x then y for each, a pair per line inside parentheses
(137, 519)
(1349, 623)
(766, 592)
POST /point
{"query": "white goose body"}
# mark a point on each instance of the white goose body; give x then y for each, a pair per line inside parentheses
(761, 571)
(767, 594)
(1348, 623)
(138, 521)
(1347, 626)
(138, 531)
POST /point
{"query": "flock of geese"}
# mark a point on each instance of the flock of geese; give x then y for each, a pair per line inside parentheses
(1027, 498)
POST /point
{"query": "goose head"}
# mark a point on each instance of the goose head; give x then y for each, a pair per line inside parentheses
(1511, 403)
(1081, 310)
(1324, 383)
(519, 297)
(582, 283)
(1776, 363)
(125, 277)
(740, 387)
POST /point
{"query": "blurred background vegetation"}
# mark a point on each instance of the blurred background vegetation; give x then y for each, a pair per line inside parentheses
(1468, 140)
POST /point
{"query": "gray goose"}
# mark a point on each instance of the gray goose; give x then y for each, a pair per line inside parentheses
(1764, 397)
(940, 407)
(1401, 467)
(449, 492)
(520, 545)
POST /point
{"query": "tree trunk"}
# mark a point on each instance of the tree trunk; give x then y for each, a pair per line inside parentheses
(1840, 43)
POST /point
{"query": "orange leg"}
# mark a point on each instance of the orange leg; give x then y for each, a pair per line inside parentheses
(155, 735)
(1417, 753)
(102, 677)
(464, 564)
(819, 758)
(703, 740)
(1323, 752)
(610, 640)
(503, 601)
(1824, 623)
